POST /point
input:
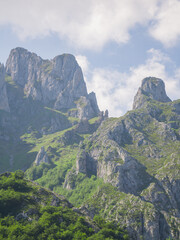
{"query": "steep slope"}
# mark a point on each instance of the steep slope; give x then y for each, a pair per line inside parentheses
(4, 104)
(39, 97)
(28, 211)
(139, 154)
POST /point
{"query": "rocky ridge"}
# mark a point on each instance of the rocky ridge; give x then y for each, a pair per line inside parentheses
(139, 155)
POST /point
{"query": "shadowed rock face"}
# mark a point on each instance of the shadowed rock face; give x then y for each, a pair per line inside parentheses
(4, 104)
(153, 88)
(57, 83)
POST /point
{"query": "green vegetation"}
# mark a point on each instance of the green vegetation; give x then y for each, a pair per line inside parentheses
(29, 212)
(73, 120)
(93, 120)
(81, 102)
(83, 188)
(47, 66)
(9, 80)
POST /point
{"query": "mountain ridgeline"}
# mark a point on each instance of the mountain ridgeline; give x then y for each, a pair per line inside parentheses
(125, 170)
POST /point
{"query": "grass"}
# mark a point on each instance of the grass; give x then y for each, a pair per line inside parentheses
(54, 110)
(84, 189)
(73, 120)
(93, 120)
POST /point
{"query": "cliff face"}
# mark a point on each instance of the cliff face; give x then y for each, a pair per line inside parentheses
(4, 104)
(57, 83)
(151, 88)
(39, 97)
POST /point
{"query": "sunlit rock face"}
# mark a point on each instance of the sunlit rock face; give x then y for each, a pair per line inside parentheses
(57, 83)
(153, 88)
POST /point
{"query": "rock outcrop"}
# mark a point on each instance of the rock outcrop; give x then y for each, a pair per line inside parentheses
(152, 88)
(40, 97)
(57, 83)
(4, 104)
(41, 157)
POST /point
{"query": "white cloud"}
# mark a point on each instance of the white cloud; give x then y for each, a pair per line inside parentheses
(166, 27)
(86, 24)
(92, 23)
(115, 91)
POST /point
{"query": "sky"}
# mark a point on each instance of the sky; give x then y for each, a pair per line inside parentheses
(117, 43)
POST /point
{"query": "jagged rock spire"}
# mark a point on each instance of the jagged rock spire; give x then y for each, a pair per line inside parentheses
(153, 88)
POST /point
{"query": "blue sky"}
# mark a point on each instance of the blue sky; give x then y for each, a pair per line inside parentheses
(116, 42)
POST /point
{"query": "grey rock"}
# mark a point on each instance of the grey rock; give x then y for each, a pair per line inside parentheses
(4, 103)
(81, 162)
(153, 88)
(57, 83)
(41, 157)
(70, 137)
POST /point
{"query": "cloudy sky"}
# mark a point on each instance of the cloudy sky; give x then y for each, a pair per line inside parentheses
(116, 42)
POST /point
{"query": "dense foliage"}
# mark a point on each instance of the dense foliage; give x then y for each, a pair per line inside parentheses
(28, 212)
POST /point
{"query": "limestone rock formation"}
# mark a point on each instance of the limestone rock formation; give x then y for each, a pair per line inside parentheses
(4, 104)
(57, 83)
(40, 97)
(153, 88)
(41, 157)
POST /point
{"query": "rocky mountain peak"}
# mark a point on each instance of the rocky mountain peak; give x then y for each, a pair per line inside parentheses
(22, 65)
(153, 88)
(57, 83)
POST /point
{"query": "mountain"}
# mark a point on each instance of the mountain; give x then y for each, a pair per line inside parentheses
(125, 170)
(40, 97)
(58, 83)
